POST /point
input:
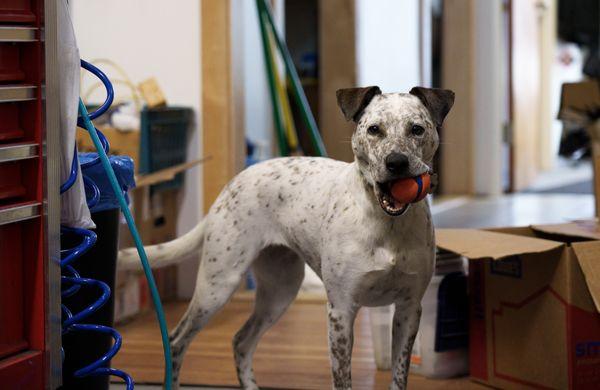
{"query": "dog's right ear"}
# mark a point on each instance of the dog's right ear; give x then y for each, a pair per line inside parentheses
(353, 101)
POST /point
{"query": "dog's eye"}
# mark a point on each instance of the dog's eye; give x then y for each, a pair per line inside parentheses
(373, 130)
(417, 130)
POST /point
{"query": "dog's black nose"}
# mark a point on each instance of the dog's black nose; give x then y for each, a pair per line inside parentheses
(396, 163)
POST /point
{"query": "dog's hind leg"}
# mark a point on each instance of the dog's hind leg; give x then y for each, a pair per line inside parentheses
(214, 287)
(279, 273)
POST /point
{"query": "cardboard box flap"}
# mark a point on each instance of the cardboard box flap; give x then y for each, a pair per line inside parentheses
(588, 256)
(579, 229)
(480, 244)
(579, 101)
(166, 173)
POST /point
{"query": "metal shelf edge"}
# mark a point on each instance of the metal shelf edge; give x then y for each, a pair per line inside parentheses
(14, 152)
(17, 34)
(19, 213)
(16, 93)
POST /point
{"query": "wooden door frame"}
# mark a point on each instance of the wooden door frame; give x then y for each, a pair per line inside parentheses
(222, 136)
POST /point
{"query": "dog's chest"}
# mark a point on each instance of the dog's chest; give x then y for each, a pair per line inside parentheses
(395, 274)
(387, 263)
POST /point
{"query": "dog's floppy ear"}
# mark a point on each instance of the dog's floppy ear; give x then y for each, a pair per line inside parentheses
(438, 102)
(353, 101)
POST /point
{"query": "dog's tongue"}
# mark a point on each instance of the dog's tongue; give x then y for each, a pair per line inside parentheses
(397, 204)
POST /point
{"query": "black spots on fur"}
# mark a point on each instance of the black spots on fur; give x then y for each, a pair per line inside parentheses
(274, 175)
(330, 219)
(332, 318)
(235, 222)
(303, 220)
(280, 196)
(208, 237)
(177, 351)
(345, 209)
(212, 260)
(398, 382)
(338, 379)
(228, 248)
(338, 327)
(267, 205)
(249, 212)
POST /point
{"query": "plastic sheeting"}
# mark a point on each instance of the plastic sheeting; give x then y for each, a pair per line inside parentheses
(123, 167)
(74, 210)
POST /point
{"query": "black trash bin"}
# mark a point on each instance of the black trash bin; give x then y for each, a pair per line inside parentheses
(82, 348)
(100, 263)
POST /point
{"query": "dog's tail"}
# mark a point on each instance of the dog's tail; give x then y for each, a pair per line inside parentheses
(162, 255)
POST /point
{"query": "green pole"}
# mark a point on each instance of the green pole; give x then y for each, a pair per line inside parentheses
(268, 54)
(298, 92)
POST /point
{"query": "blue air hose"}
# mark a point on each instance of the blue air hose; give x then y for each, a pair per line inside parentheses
(72, 281)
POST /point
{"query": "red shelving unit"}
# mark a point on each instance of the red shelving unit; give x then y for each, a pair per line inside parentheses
(23, 254)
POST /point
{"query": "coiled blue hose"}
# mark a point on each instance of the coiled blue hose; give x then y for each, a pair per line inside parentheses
(72, 281)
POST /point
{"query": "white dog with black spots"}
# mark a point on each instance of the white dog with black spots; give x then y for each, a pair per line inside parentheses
(337, 217)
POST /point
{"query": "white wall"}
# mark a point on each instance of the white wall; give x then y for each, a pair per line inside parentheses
(387, 35)
(489, 98)
(258, 111)
(152, 38)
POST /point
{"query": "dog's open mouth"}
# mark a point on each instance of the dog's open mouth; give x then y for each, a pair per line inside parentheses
(387, 202)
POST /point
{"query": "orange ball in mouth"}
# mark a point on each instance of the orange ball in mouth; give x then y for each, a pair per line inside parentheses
(411, 189)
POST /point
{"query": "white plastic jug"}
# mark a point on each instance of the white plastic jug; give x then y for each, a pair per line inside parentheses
(447, 361)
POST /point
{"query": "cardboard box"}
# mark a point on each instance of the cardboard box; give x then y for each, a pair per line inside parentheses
(534, 302)
(580, 106)
(122, 143)
(155, 216)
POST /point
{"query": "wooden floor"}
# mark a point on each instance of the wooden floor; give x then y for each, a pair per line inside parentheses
(292, 355)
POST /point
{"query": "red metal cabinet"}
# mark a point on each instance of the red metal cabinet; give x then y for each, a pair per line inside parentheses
(22, 254)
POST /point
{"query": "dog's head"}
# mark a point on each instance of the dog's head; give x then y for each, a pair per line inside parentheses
(396, 134)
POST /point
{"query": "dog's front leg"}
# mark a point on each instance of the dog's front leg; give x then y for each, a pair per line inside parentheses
(406, 325)
(341, 337)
